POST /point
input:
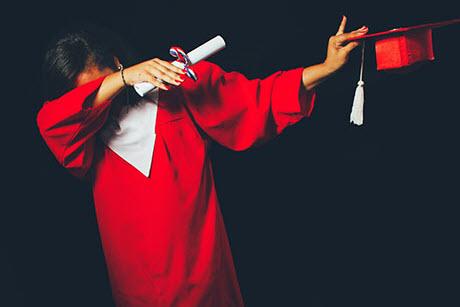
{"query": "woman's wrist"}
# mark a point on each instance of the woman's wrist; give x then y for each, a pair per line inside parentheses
(122, 75)
(315, 74)
(328, 68)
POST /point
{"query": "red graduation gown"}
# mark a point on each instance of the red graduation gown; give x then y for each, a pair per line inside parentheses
(163, 236)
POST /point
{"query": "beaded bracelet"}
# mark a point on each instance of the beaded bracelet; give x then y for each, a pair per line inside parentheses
(121, 68)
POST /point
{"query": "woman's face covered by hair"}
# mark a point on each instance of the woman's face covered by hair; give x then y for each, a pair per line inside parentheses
(79, 55)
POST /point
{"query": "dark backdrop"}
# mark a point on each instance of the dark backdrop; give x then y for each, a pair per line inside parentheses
(327, 214)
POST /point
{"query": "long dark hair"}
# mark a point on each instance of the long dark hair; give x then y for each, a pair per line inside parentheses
(79, 45)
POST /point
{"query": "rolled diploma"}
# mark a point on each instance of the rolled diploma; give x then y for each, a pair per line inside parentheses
(200, 53)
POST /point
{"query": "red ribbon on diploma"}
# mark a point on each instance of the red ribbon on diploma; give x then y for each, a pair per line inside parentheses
(183, 58)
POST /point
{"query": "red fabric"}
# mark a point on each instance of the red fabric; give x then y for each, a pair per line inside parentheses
(403, 50)
(164, 238)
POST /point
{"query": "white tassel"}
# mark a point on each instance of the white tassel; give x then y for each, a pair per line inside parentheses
(356, 116)
(357, 110)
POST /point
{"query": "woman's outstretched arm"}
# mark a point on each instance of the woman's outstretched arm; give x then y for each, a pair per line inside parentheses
(240, 113)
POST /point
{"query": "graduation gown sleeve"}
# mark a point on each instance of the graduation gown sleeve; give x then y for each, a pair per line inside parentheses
(69, 123)
(240, 113)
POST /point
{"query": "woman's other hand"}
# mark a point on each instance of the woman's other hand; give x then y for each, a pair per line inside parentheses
(338, 50)
(158, 72)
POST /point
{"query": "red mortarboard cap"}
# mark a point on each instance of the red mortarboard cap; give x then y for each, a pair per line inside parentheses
(396, 49)
(402, 47)
(404, 50)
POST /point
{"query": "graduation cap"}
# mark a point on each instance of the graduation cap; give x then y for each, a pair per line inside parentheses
(395, 49)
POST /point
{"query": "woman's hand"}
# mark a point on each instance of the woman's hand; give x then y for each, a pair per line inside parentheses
(338, 50)
(155, 71)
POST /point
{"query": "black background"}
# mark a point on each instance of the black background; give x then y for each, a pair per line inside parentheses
(327, 214)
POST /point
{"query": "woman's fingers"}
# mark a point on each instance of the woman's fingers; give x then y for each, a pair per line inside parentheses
(342, 25)
(155, 71)
(157, 82)
(170, 66)
(165, 71)
(350, 46)
(165, 74)
(342, 38)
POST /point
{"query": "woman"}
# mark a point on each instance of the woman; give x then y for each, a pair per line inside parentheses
(162, 231)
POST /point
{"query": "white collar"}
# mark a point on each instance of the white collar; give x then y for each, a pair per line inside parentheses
(132, 135)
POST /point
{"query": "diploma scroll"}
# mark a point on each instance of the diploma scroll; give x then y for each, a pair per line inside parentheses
(185, 60)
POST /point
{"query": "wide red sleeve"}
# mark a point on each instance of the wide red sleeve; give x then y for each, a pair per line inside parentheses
(240, 113)
(68, 125)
